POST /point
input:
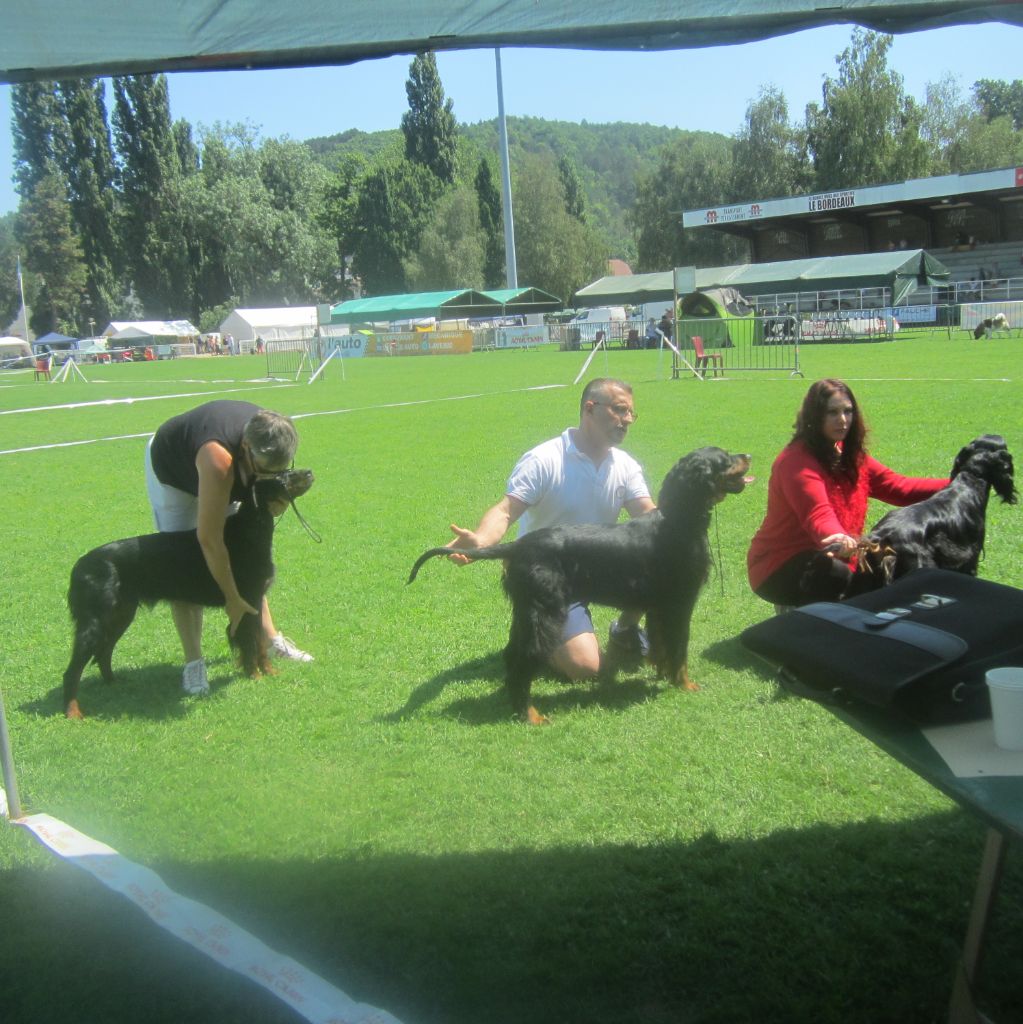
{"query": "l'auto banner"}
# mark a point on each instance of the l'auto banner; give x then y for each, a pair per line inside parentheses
(420, 343)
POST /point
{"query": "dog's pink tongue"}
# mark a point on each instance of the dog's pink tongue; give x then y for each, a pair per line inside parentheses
(749, 479)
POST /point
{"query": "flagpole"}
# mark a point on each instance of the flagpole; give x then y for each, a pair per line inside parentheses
(24, 311)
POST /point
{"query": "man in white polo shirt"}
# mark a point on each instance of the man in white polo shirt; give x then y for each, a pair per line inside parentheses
(580, 477)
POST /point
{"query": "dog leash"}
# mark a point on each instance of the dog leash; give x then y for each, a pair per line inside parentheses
(308, 529)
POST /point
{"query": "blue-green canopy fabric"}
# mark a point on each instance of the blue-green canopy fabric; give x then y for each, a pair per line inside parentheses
(515, 301)
(71, 38)
(451, 305)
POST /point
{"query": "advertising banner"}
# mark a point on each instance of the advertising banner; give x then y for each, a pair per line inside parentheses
(349, 345)
(520, 337)
(420, 343)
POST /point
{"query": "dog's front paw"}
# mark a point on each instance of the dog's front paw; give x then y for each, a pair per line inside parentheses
(533, 717)
(73, 711)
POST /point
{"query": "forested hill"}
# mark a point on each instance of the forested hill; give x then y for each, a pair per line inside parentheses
(607, 157)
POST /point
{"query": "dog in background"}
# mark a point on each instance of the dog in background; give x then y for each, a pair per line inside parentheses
(110, 582)
(656, 562)
(945, 531)
(991, 325)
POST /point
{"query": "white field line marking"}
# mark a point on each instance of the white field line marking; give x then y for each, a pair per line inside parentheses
(202, 928)
(297, 416)
(131, 401)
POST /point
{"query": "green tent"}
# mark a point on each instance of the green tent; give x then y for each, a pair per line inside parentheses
(713, 308)
(520, 301)
(899, 271)
(453, 305)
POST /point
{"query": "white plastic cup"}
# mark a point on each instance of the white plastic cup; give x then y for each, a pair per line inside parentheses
(1005, 686)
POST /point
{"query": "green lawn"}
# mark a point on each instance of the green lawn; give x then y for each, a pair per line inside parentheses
(650, 857)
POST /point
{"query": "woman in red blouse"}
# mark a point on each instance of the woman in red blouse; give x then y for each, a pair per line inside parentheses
(817, 501)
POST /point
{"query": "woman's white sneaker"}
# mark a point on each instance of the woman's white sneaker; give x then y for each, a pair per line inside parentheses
(282, 647)
(194, 681)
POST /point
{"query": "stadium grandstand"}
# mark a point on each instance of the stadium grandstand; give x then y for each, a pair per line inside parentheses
(972, 222)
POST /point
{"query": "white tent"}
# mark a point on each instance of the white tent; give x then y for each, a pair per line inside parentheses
(286, 323)
(178, 332)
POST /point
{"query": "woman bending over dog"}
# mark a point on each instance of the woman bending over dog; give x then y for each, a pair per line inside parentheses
(197, 464)
(805, 549)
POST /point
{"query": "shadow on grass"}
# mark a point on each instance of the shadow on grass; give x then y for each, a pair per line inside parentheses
(550, 694)
(829, 924)
(152, 693)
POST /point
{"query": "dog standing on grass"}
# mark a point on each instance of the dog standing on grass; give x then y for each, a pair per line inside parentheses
(656, 562)
(110, 582)
(946, 531)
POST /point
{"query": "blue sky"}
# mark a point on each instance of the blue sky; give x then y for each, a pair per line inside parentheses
(692, 89)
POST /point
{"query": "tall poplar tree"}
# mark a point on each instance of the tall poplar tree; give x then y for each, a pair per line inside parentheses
(53, 251)
(88, 168)
(429, 124)
(491, 218)
(37, 129)
(150, 173)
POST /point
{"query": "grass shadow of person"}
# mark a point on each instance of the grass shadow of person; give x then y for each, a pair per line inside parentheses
(152, 692)
(628, 689)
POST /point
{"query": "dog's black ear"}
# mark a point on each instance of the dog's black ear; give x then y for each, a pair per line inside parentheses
(1003, 481)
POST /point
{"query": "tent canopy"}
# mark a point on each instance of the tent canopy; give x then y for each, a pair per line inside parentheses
(518, 301)
(67, 38)
(52, 337)
(270, 324)
(454, 305)
(900, 271)
(129, 330)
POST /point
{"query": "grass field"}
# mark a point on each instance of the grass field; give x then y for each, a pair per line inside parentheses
(652, 856)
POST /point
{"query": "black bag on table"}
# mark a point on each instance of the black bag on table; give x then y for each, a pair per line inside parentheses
(920, 646)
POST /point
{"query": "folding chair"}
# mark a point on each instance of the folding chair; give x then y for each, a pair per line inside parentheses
(713, 361)
(42, 367)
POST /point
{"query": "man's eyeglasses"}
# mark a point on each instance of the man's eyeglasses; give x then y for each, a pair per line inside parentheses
(620, 410)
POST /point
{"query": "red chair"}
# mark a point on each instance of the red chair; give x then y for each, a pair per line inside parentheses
(42, 367)
(713, 361)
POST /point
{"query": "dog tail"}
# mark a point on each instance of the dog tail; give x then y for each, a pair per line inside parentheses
(473, 554)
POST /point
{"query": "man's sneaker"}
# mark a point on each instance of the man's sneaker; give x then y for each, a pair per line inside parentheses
(193, 681)
(282, 647)
(628, 645)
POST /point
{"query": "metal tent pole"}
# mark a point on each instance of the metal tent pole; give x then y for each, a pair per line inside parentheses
(7, 762)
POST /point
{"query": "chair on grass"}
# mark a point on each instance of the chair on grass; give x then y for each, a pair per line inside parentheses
(42, 367)
(713, 361)
(598, 338)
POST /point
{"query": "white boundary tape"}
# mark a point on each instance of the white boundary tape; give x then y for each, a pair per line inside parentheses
(207, 931)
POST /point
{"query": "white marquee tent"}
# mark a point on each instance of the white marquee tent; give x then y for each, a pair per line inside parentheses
(287, 323)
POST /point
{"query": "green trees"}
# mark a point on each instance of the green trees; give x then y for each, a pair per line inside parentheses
(866, 130)
(555, 250)
(429, 124)
(769, 155)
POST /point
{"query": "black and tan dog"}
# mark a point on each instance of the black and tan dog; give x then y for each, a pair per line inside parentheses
(945, 531)
(656, 563)
(110, 582)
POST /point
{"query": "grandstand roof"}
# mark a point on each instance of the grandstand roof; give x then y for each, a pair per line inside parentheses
(900, 272)
(926, 198)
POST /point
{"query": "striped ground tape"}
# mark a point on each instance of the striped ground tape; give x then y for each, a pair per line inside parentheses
(207, 931)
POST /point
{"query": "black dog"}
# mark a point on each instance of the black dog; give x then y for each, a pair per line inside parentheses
(110, 582)
(656, 562)
(945, 531)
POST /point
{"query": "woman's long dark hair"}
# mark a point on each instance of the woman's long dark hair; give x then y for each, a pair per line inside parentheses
(809, 428)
